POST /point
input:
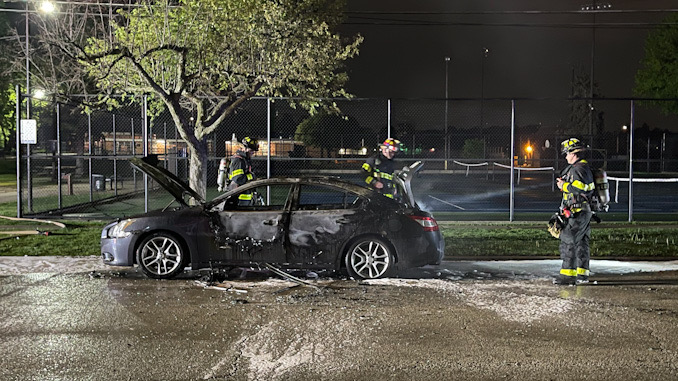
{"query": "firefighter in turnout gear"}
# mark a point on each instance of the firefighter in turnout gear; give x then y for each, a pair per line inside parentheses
(240, 169)
(576, 183)
(380, 167)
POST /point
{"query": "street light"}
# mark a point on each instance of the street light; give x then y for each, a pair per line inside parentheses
(46, 7)
(593, 8)
(447, 66)
(485, 51)
(624, 128)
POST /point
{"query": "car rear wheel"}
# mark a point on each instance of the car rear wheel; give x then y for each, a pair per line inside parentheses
(369, 258)
(161, 256)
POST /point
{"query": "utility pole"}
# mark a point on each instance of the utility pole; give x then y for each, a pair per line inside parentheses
(485, 51)
(447, 66)
(593, 8)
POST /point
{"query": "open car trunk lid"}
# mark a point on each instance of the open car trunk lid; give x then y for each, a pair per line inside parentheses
(403, 178)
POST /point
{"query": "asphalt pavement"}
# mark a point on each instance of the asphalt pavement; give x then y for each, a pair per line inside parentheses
(463, 320)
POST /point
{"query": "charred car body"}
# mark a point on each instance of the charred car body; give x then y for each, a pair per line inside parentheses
(311, 223)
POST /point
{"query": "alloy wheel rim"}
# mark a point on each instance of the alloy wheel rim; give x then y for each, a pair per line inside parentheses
(161, 255)
(370, 259)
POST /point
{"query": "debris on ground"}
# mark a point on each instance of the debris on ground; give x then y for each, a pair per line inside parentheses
(94, 274)
(221, 286)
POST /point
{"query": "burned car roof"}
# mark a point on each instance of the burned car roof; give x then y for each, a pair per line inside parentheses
(179, 189)
(314, 180)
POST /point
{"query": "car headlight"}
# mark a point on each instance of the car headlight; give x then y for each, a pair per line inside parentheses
(118, 230)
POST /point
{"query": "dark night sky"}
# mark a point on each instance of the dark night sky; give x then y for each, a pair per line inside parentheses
(524, 60)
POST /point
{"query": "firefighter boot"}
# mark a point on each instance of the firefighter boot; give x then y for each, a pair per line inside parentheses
(564, 280)
(582, 279)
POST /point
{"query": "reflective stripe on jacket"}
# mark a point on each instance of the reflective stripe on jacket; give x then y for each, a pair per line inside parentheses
(578, 186)
(240, 170)
(380, 168)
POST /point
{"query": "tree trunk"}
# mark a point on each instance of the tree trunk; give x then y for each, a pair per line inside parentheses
(198, 168)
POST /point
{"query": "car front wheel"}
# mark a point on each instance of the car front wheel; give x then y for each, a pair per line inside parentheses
(161, 256)
(369, 258)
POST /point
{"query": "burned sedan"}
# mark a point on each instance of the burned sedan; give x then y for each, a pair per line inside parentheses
(310, 223)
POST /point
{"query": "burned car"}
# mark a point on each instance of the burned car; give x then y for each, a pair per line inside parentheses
(305, 223)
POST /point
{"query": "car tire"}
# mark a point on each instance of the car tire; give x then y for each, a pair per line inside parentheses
(161, 256)
(369, 258)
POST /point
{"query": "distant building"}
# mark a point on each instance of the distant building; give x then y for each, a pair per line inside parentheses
(126, 144)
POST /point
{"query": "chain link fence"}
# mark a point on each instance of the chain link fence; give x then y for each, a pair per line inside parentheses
(480, 155)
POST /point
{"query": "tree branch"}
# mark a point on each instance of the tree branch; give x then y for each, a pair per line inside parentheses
(226, 109)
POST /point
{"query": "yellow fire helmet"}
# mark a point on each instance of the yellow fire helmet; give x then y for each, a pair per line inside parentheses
(391, 144)
(571, 145)
(250, 143)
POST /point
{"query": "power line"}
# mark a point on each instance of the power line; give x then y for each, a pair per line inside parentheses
(597, 25)
(381, 18)
(537, 12)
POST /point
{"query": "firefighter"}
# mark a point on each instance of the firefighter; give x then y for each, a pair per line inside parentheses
(240, 169)
(380, 167)
(576, 183)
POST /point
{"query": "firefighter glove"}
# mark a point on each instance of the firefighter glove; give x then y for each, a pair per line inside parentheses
(556, 225)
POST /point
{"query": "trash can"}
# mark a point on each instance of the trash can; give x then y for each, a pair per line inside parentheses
(98, 182)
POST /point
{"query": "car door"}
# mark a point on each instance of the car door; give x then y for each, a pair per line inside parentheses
(322, 219)
(251, 233)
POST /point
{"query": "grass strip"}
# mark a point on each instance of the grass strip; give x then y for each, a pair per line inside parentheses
(79, 238)
(639, 240)
(462, 240)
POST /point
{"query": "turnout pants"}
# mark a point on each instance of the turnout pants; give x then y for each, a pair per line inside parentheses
(574, 245)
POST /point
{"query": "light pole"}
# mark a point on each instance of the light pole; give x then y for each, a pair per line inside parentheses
(29, 179)
(593, 8)
(28, 70)
(45, 7)
(482, 84)
(447, 66)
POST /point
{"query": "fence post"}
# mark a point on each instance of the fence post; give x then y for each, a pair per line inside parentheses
(176, 150)
(663, 147)
(648, 154)
(388, 126)
(164, 138)
(513, 137)
(18, 152)
(144, 138)
(29, 177)
(268, 138)
(115, 160)
(58, 152)
(89, 135)
(414, 142)
(631, 125)
(134, 172)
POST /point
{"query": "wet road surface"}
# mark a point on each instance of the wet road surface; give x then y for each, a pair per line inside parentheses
(468, 320)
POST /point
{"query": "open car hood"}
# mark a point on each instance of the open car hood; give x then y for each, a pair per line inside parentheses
(404, 177)
(174, 185)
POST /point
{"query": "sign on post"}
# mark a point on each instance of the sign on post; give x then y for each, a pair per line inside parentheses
(29, 131)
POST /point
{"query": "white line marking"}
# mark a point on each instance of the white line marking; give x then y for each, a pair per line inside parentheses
(445, 202)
